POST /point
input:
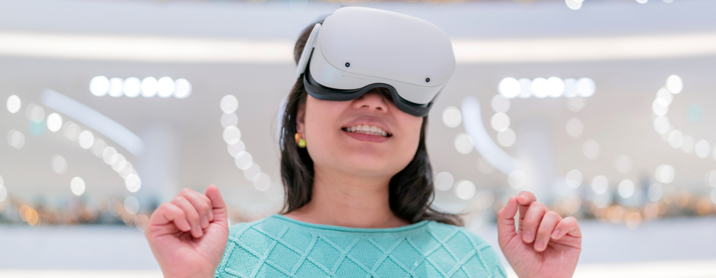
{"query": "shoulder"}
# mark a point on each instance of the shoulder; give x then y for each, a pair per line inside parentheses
(468, 247)
(246, 245)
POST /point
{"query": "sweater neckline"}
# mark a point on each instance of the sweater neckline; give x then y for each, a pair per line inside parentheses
(350, 229)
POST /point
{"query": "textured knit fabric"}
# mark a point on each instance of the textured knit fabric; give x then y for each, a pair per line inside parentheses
(278, 246)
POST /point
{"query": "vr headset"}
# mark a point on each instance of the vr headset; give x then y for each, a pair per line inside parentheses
(357, 49)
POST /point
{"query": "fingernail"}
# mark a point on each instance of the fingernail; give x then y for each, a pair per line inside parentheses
(555, 234)
(527, 236)
(204, 222)
(539, 245)
(211, 215)
(199, 231)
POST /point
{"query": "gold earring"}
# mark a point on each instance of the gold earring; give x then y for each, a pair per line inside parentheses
(300, 141)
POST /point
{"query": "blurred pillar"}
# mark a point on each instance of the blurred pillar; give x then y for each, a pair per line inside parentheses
(157, 166)
(534, 147)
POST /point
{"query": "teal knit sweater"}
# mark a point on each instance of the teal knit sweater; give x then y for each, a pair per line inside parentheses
(278, 246)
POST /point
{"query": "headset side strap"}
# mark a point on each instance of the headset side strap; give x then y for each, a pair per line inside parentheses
(306, 53)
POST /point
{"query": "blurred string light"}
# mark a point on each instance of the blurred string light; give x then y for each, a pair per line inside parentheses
(546, 87)
(574, 4)
(133, 87)
(676, 138)
(86, 140)
(93, 119)
(237, 149)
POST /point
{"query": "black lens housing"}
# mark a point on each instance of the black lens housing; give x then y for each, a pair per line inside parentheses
(321, 92)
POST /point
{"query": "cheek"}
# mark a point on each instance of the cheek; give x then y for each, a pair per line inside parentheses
(320, 129)
(410, 140)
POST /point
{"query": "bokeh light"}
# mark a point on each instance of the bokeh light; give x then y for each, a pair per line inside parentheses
(674, 84)
(15, 139)
(262, 182)
(231, 135)
(243, 160)
(574, 127)
(452, 117)
(540, 87)
(182, 88)
(165, 87)
(99, 86)
(702, 148)
(506, 138)
(229, 104)
(131, 205)
(626, 188)
(465, 190)
(252, 171)
(500, 121)
(86, 139)
(574, 178)
(463, 143)
(509, 87)
(133, 183)
(586, 87)
(229, 120)
(236, 148)
(444, 181)
(665, 173)
(600, 184)
(591, 149)
(77, 186)
(54, 122)
(116, 87)
(13, 104)
(149, 87)
(555, 87)
(59, 164)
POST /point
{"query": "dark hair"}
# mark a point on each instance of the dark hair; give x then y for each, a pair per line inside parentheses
(411, 189)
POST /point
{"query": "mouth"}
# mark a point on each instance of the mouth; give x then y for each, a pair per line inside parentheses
(367, 130)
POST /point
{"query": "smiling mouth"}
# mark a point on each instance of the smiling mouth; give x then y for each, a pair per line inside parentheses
(367, 129)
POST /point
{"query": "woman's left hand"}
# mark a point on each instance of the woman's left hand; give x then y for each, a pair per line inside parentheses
(545, 245)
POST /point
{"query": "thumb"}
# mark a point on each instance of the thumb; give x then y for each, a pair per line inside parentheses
(218, 205)
(506, 222)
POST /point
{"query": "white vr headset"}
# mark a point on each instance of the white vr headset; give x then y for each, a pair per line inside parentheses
(358, 49)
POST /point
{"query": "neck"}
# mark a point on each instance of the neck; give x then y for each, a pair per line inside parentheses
(341, 199)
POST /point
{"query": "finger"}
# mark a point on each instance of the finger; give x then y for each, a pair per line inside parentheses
(201, 203)
(569, 226)
(525, 198)
(533, 217)
(506, 221)
(191, 215)
(168, 213)
(217, 204)
(549, 222)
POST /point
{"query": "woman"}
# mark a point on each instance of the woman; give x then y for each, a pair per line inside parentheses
(358, 188)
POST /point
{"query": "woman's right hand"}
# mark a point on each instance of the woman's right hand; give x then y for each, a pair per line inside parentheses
(188, 235)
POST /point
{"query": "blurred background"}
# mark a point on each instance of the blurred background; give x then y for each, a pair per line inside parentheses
(603, 108)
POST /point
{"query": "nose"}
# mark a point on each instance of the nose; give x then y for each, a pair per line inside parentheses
(372, 100)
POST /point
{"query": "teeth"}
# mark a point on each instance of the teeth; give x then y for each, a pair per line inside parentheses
(367, 129)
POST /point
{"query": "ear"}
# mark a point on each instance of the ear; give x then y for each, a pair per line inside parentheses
(301, 118)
